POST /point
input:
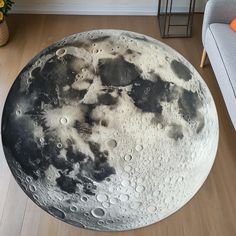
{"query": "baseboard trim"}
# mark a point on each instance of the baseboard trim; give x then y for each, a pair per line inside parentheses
(76, 9)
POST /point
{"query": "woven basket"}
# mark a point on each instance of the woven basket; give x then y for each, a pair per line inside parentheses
(4, 33)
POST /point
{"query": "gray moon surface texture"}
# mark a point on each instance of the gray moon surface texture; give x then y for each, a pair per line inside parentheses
(110, 130)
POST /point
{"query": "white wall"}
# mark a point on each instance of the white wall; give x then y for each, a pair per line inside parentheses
(97, 7)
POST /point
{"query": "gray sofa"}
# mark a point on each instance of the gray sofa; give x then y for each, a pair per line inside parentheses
(220, 45)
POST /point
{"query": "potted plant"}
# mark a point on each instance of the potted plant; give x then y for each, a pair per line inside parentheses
(5, 6)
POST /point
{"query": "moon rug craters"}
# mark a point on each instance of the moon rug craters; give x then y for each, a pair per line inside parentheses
(109, 130)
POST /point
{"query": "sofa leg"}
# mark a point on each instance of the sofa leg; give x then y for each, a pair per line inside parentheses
(203, 58)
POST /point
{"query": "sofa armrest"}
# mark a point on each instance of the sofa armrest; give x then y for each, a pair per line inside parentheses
(218, 11)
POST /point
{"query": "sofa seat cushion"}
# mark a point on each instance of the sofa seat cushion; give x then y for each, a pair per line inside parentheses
(220, 44)
(224, 39)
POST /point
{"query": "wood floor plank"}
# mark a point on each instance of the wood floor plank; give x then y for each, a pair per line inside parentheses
(31, 221)
(211, 212)
(5, 177)
(14, 210)
(48, 225)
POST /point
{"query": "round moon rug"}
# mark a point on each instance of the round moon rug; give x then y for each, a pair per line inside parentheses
(110, 130)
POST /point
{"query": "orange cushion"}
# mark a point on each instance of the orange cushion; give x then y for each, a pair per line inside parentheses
(233, 25)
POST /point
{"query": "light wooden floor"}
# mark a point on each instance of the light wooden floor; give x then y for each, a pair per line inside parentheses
(213, 209)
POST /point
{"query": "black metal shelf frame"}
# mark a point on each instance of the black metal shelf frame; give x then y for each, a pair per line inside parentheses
(166, 17)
